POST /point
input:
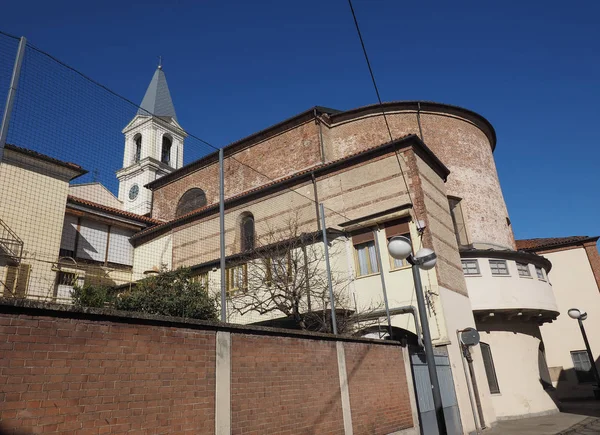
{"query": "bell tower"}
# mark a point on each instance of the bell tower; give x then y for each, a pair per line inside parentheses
(153, 146)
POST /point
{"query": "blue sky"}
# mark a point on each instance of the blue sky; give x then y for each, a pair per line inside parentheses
(234, 67)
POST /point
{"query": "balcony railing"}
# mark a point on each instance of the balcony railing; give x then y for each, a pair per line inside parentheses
(10, 244)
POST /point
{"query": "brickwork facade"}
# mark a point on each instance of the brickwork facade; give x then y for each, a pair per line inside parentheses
(99, 372)
(81, 377)
(275, 157)
(294, 387)
(591, 250)
(463, 141)
(384, 394)
(460, 144)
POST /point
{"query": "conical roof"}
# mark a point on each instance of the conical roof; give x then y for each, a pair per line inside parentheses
(157, 99)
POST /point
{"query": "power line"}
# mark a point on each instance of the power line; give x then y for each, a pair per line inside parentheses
(191, 135)
(364, 49)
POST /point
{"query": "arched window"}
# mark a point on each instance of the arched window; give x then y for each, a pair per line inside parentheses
(137, 139)
(247, 232)
(190, 201)
(165, 155)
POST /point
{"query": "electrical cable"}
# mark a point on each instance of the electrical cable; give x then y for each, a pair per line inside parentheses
(364, 49)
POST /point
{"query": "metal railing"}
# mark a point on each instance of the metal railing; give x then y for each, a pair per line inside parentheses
(10, 243)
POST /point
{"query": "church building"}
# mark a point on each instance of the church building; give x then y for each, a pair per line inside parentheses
(434, 182)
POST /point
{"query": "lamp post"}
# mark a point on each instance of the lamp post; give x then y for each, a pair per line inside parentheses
(574, 313)
(400, 248)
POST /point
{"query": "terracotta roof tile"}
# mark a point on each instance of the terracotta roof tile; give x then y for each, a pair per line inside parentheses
(116, 211)
(550, 242)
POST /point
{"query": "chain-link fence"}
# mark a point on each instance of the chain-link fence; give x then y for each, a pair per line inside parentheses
(102, 198)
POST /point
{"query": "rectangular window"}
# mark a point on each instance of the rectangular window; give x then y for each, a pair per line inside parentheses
(366, 258)
(540, 273)
(582, 365)
(66, 278)
(365, 254)
(470, 267)
(490, 370)
(523, 269)
(458, 220)
(202, 279)
(499, 267)
(236, 279)
(65, 281)
(279, 269)
(397, 228)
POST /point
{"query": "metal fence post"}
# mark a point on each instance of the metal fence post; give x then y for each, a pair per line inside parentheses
(222, 234)
(328, 266)
(383, 286)
(12, 90)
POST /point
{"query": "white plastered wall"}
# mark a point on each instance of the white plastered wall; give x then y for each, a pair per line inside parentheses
(574, 287)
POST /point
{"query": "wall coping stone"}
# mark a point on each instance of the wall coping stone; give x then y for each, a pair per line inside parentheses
(37, 308)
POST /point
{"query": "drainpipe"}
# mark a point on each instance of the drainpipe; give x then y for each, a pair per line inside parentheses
(322, 147)
(473, 391)
(316, 194)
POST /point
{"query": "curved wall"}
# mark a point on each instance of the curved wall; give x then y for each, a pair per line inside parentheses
(515, 352)
(457, 138)
(490, 292)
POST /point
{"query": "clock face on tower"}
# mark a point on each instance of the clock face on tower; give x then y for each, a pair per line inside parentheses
(133, 192)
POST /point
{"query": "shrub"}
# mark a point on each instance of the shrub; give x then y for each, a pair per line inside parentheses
(169, 294)
(91, 296)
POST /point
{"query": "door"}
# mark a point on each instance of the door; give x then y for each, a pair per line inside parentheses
(425, 395)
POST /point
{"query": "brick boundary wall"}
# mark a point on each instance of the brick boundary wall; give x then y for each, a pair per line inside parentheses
(92, 371)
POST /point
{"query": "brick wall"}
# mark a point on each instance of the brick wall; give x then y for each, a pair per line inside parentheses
(294, 386)
(591, 250)
(88, 376)
(268, 160)
(98, 372)
(375, 390)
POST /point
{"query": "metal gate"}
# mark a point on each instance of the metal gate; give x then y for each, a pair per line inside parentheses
(425, 396)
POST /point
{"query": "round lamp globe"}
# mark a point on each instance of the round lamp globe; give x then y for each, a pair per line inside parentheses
(400, 247)
(426, 252)
(574, 313)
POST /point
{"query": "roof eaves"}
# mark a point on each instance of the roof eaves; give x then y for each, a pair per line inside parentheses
(540, 244)
(474, 117)
(282, 181)
(233, 146)
(122, 213)
(31, 153)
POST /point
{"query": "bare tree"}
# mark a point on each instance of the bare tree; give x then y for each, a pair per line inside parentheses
(285, 276)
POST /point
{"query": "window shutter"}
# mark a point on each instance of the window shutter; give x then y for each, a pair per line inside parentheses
(69, 233)
(245, 283)
(396, 228)
(10, 281)
(362, 237)
(93, 239)
(120, 249)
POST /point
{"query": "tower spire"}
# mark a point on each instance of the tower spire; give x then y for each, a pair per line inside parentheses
(157, 100)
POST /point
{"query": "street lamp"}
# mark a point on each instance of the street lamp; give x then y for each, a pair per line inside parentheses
(574, 313)
(400, 248)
